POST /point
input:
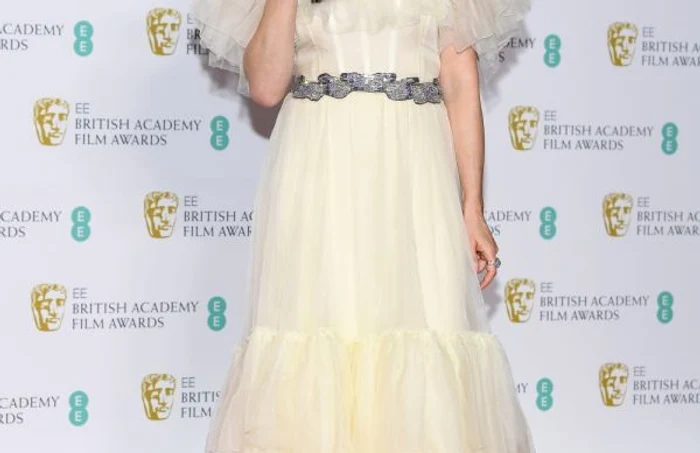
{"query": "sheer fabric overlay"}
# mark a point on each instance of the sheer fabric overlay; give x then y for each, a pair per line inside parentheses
(366, 330)
(226, 26)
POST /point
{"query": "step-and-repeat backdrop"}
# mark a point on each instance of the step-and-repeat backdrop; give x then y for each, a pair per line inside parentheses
(127, 180)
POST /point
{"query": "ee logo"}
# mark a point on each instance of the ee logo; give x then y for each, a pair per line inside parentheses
(669, 144)
(83, 32)
(81, 224)
(665, 303)
(217, 314)
(552, 46)
(219, 133)
(545, 387)
(78, 402)
(548, 217)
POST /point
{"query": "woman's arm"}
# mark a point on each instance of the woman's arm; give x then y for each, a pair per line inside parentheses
(269, 57)
(459, 80)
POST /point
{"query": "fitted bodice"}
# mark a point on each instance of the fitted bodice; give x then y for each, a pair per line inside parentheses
(408, 49)
(367, 36)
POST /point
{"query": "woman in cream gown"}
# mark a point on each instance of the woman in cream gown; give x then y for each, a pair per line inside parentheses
(366, 330)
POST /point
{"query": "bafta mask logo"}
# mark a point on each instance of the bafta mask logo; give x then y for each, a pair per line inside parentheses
(51, 120)
(622, 41)
(163, 27)
(48, 306)
(613, 383)
(523, 122)
(519, 295)
(160, 210)
(158, 394)
(617, 213)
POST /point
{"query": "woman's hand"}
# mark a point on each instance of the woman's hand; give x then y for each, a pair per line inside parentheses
(483, 247)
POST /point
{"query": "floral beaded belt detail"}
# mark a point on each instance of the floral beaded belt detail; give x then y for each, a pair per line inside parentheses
(379, 82)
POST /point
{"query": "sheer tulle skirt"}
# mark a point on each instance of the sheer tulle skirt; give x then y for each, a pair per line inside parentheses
(366, 330)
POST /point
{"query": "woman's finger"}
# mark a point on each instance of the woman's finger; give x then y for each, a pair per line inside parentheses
(481, 265)
(489, 276)
(489, 258)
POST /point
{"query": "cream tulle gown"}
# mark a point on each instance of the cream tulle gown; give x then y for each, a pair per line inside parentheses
(366, 330)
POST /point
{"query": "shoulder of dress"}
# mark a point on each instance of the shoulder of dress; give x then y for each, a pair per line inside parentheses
(376, 8)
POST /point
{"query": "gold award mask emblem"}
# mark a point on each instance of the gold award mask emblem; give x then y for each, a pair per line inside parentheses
(158, 394)
(163, 27)
(622, 41)
(612, 378)
(48, 306)
(51, 120)
(160, 211)
(519, 296)
(523, 122)
(617, 213)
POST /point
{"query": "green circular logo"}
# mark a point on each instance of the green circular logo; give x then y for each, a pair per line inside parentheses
(219, 126)
(545, 387)
(552, 60)
(78, 400)
(82, 48)
(80, 233)
(669, 147)
(81, 224)
(81, 215)
(548, 217)
(664, 301)
(548, 231)
(669, 142)
(664, 315)
(544, 402)
(219, 141)
(552, 43)
(83, 32)
(552, 54)
(669, 130)
(78, 415)
(217, 305)
(217, 313)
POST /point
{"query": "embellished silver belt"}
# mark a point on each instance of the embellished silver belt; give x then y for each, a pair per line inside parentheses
(379, 82)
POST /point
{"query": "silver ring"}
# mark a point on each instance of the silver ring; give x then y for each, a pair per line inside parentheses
(495, 263)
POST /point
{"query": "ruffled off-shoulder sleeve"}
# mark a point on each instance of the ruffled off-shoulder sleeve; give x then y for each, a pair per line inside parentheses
(485, 25)
(226, 27)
